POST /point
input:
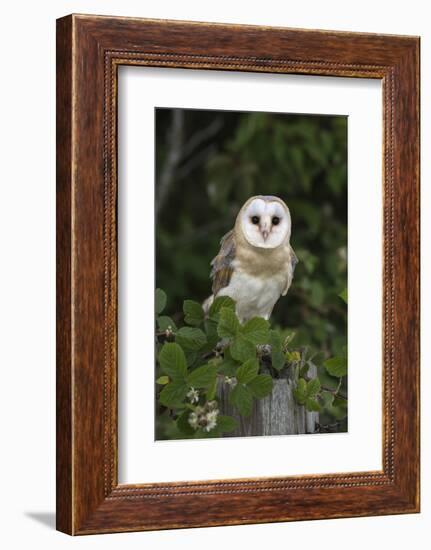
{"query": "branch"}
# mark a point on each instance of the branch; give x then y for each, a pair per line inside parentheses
(202, 135)
(178, 152)
(195, 161)
(173, 159)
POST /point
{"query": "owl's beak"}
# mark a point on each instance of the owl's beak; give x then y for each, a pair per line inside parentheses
(265, 226)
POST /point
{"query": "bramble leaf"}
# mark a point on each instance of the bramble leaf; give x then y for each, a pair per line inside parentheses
(242, 349)
(190, 338)
(343, 295)
(300, 392)
(312, 405)
(193, 312)
(172, 361)
(212, 389)
(164, 322)
(261, 386)
(313, 387)
(327, 398)
(326, 379)
(247, 371)
(241, 397)
(228, 367)
(211, 332)
(202, 377)
(173, 393)
(160, 301)
(226, 424)
(277, 355)
(338, 408)
(183, 423)
(218, 304)
(228, 325)
(336, 366)
(293, 356)
(256, 330)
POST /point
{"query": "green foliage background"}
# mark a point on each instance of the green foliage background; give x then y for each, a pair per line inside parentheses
(208, 163)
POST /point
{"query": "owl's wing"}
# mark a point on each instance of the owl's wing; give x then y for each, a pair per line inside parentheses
(221, 265)
(290, 270)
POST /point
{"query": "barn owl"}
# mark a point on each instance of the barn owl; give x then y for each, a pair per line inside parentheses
(255, 263)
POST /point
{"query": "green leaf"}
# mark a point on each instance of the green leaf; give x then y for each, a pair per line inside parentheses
(275, 340)
(300, 392)
(162, 380)
(228, 366)
(288, 339)
(202, 377)
(256, 330)
(190, 338)
(173, 393)
(334, 406)
(293, 356)
(164, 322)
(218, 304)
(261, 386)
(327, 398)
(277, 355)
(212, 390)
(160, 301)
(228, 325)
(193, 312)
(336, 366)
(317, 359)
(242, 349)
(192, 357)
(327, 380)
(312, 405)
(211, 332)
(226, 424)
(343, 295)
(247, 371)
(341, 403)
(183, 423)
(241, 397)
(172, 361)
(313, 387)
(215, 362)
(338, 409)
(303, 371)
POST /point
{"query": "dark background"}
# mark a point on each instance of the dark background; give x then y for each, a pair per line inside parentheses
(208, 163)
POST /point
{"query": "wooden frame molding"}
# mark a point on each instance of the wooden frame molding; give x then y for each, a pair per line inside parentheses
(89, 51)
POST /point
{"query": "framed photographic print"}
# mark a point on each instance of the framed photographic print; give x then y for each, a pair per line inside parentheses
(237, 274)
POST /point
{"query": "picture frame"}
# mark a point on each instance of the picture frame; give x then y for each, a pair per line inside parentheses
(89, 51)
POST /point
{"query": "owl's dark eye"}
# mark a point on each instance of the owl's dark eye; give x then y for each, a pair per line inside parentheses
(275, 220)
(255, 220)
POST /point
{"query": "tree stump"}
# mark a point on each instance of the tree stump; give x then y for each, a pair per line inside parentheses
(276, 414)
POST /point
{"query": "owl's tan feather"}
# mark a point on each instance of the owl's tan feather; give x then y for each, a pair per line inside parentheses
(221, 265)
(293, 260)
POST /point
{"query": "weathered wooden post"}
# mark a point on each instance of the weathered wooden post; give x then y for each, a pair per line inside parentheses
(276, 414)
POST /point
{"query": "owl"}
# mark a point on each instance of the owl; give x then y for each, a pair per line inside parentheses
(255, 263)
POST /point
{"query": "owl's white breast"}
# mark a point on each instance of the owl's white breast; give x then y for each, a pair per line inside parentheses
(254, 296)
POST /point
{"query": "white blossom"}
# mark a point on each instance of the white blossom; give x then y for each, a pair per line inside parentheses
(193, 420)
(211, 419)
(193, 395)
(231, 381)
(204, 417)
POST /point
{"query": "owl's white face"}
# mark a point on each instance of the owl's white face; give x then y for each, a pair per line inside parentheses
(266, 223)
